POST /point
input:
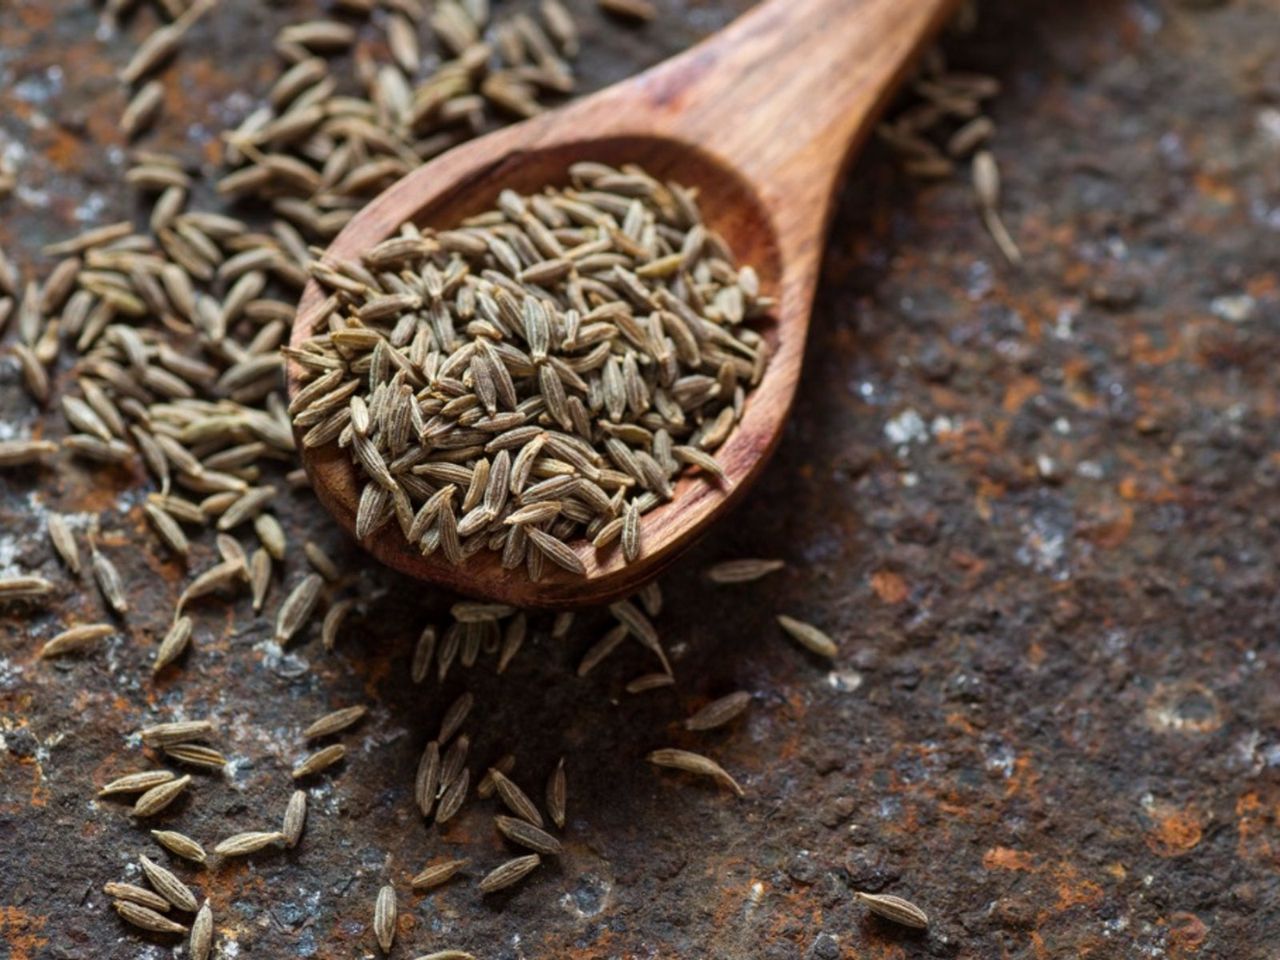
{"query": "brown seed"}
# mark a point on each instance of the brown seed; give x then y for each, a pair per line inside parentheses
(76, 639)
(138, 782)
(335, 722)
(423, 651)
(527, 835)
(455, 716)
(18, 453)
(243, 844)
(809, 636)
(64, 542)
(109, 581)
(168, 885)
(297, 607)
(196, 755)
(295, 818)
(650, 681)
(320, 760)
(894, 908)
(180, 844)
(200, 946)
(427, 780)
(642, 10)
(167, 734)
(135, 894)
(719, 712)
(436, 874)
(157, 798)
(516, 800)
(452, 799)
(694, 763)
(601, 649)
(320, 561)
(742, 571)
(147, 919)
(175, 641)
(556, 795)
(142, 109)
(510, 873)
(447, 955)
(384, 918)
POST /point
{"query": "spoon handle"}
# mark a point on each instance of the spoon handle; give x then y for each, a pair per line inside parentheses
(788, 90)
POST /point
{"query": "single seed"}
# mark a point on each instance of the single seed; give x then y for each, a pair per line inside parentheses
(180, 844)
(641, 10)
(436, 874)
(200, 946)
(135, 894)
(168, 885)
(556, 795)
(147, 919)
(335, 722)
(742, 571)
(297, 607)
(516, 800)
(509, 874)
(527, 835)
(76, 639)
(196, 755)
(174, 642)
(455, 716)
(452, 799)
(650, 681)
(719, 712)
(64, 542)
(694, 763)
(320, 760)
(295, 818)
(809, 637)
(167, 734)
(139, 782)
(243, 844)
(109, 581)
(384, 918)
(894, 908)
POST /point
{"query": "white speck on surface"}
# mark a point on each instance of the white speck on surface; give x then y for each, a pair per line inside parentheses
(1063, 323)
(91, 207)
(1062, 426)
(1044, 547)
(910, 480)
(1236, 308)
(1090, 469)
(844, 681)
(906, 428)
(1269, 125)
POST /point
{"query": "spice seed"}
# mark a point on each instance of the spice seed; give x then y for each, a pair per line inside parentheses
(694, 763)
(200, 946)
(64, 541)
(895, 908)
(295, 818)
(809, 636)
(243, 844)
(742, 571)
(157, 798)
(527, 835)
(436, 874)
(509, 874)
(719, 712)
(139, 895)
(180, 844)
(147, 919)
(516, 800)
(168, 885)
(166, 734)
(335, 722)
(196, 755)
(556, 795)
(384, 918)
(320, 760)
(642, 10)
(136, 782)
(76, 639)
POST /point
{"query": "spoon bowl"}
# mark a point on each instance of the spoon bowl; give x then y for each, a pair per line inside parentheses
(706, 120)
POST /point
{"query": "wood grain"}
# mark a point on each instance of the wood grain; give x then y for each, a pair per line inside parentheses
(762, 119)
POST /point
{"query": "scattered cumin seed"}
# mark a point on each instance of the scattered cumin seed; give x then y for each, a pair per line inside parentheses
(180, 844)
(335, 722)
(168, 885)
(527, 835)
(243, 844)
(320, 760)
(742, 571)
(809, 636)
(200, 945)
(76, 639)
(295, 818)
(384, 918)
(509, 874)
(894, 908)
(719, 712)
(146, 919)
(139, 895)
(694, 763)
(139, 782)
(159, 797)
(436, 874)
(556, 795)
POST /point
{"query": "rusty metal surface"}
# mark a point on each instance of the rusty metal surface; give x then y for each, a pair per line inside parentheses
(1037, 509)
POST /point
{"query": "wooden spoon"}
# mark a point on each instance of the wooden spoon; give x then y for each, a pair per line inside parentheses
(761, 119)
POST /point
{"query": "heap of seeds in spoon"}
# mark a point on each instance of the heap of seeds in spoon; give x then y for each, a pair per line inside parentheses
(541, 373)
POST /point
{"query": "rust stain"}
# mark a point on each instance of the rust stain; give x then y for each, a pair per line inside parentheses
(20, 931)
(889, 586)
(1176, 831)
(1006, 858)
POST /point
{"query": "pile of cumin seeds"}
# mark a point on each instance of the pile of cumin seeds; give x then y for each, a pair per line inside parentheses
(540, 373)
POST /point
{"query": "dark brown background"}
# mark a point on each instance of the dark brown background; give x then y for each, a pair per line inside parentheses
(1038, 510)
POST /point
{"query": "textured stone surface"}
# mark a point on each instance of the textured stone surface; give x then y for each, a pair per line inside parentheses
(1037, 509)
